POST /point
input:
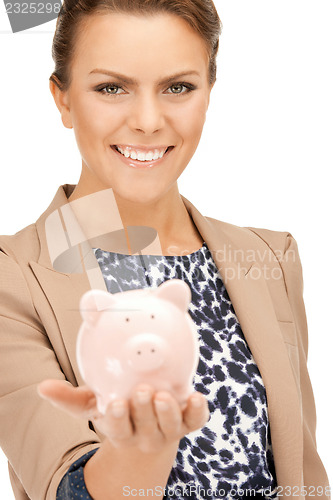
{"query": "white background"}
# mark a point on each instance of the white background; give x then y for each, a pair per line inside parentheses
(265, 158)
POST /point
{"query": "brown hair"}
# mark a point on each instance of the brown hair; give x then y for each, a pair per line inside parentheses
(201, 15)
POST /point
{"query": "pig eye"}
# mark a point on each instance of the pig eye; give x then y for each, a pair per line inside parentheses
(127, 319)
(152, 316)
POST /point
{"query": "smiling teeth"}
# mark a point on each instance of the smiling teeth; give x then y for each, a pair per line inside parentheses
(151, 155)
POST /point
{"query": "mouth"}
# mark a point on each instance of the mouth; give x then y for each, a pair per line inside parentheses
(138, 158)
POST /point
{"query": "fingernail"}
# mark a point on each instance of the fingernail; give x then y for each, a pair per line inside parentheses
(196, 401)
(143, 396)
(118, 409)
(161, 405)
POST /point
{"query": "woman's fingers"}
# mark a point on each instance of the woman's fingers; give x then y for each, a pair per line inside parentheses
(77, 401)
(142, 411)
(169, 415)
(196, 413)
(144, 418)
(116, 424)
(148, 418)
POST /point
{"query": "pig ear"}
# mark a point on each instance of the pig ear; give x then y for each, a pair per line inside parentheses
(94, 301)
(175, 291)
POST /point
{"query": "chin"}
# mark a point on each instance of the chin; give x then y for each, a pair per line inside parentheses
(142, 192)
(142, 199)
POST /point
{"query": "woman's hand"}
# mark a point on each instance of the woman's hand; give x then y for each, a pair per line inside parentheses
(148, 421)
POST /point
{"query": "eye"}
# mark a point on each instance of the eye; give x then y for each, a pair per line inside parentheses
(180, 86)
(111, 89)
(112, 86)
(152, 316)
(127, 319)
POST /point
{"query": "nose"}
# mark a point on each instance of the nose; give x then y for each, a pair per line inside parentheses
(146, 115)
(145, 352)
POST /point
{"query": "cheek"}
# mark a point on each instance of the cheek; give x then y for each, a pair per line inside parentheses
(93, 117)
(198, 113)
(189, 119)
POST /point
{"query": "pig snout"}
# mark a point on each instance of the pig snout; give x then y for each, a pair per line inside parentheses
(146, 352)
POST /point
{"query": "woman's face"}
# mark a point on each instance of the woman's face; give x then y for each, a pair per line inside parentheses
(147, 110)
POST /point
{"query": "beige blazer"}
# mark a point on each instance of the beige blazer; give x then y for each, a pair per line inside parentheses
(39, 321)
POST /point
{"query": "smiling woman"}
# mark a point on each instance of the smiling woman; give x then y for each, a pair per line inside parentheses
(133, 79)
(155, 106)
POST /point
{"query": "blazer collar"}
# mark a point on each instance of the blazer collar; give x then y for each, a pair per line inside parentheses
(251, 299)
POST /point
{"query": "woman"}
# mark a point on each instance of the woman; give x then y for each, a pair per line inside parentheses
(136, 134)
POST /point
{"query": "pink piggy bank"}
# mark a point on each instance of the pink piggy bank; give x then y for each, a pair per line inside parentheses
(138, 336)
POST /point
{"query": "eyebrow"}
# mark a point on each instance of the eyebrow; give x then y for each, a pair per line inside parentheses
(132, 81)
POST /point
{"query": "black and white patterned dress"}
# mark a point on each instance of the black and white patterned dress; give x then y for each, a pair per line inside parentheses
(232, 453)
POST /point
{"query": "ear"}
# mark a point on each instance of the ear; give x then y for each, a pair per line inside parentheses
(93, 302)
(175, 291)
(61, 99)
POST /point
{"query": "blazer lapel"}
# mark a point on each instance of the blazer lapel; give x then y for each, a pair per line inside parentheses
(249, 294)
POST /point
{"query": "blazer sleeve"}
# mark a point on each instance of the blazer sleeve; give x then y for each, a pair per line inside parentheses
(313, 470)
(40, 441)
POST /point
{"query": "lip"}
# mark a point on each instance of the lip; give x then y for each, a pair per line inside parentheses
(145, 149)
(141, 164)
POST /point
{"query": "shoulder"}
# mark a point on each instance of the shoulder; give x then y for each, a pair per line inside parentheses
(25, 245)
(16, 251)
(277, 241)
(22, 246)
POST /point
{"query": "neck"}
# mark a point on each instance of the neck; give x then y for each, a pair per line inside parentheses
(167, 216)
